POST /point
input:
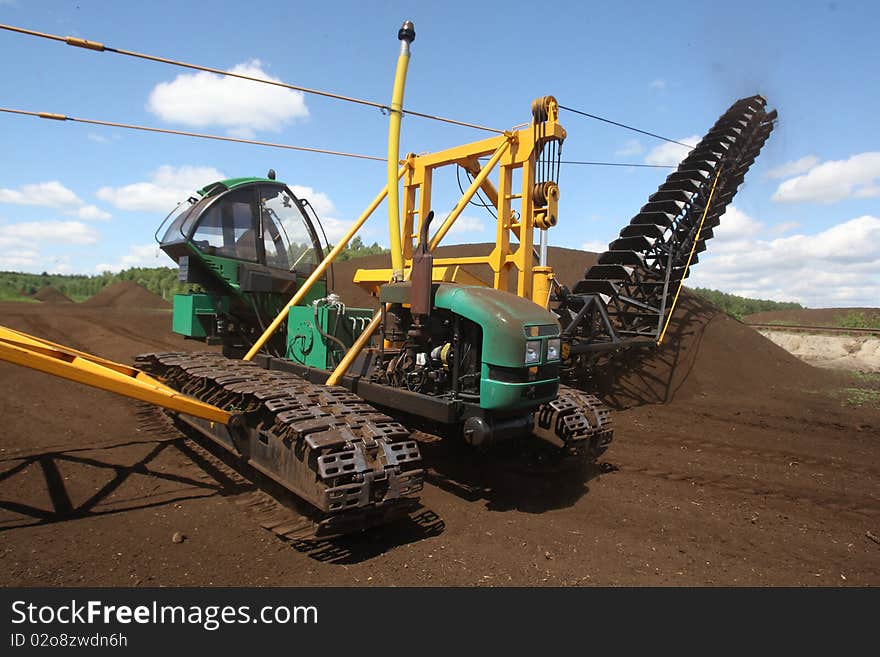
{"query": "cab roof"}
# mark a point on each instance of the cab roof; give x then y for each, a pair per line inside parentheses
(232, 183)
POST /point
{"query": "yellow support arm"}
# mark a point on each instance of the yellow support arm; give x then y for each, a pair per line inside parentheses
(319, 271)
(44, 356)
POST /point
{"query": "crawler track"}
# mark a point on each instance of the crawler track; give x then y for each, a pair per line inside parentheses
(576, 422)
(353, 465)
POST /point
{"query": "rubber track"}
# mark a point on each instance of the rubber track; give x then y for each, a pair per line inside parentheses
(577, 420)
(356, 466)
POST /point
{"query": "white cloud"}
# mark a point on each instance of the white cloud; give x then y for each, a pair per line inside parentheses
(736, 225)
(318, 200)
(167, 187)
(669, 153)
(794, 168)
(91, 213)
(658, 84)
(50, 194)
(33, 261)
(595, 246)
(630, 148)
(19, 243)
(834, 180)
(242, 106)
(462, 231)
(19, 260)
(139, 255)
(53, 194)
(325, 209)
(785, 227)
(838, 266)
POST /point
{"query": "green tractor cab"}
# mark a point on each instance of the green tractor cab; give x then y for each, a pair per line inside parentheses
(247, 243)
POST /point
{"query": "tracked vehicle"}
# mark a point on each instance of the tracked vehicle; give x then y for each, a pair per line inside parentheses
(318, 395)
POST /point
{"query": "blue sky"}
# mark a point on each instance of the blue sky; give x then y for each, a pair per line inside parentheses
(805, 225)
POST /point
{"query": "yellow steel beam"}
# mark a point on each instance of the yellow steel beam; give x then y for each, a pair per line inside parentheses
(472, 166)
(468, 195)
(514, 150)
(521, 150)
(38, 354)
(319, 270)
(356, 348)
(372, 279)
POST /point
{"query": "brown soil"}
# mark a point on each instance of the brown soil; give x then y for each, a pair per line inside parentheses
(49, 294)
(126, 294)
(751, 472)
(809, 316)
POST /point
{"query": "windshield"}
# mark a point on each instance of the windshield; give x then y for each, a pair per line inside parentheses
(290, 245)
(181, 219)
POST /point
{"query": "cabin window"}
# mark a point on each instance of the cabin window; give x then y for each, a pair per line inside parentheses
(290, 246)
(228, 227)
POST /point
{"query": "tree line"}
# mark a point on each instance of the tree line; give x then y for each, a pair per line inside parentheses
(739, 307)
(19, 286)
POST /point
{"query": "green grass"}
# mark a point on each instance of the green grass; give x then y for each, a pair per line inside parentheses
(865, 390)
(867, 378)
(860, 397)
(9, 295)
(857, 319)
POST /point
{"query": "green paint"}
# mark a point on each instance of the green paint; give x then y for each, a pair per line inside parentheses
(231, 183)
(502, 316)
(500, 396)
(193, 313)
(305, 344)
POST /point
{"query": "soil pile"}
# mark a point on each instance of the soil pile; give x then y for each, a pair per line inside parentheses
(810, 316)
(126, 294)
(49, 294)
(705, 352)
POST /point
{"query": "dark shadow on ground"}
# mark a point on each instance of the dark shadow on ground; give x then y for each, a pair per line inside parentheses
(104, 458)
(654, 375)
(521, 475)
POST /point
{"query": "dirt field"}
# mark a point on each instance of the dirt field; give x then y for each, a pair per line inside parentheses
(733, 463)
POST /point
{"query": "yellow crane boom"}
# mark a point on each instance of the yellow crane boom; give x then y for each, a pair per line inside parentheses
(58, 360)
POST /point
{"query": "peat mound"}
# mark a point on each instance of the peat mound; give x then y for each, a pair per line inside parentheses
(705, 352)
(49, 294)
(126, 294)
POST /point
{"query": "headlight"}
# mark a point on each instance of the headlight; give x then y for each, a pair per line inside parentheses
(533, 352)
(554, 348)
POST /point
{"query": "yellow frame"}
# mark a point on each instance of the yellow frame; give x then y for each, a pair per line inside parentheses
(512, 151)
